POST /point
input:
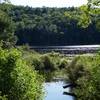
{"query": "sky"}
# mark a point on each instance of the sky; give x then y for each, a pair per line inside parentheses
(49, 3)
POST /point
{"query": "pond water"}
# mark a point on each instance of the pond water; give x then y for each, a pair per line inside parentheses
(54, 91)
(67, 50)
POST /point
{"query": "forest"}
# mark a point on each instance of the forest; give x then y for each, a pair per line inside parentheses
(55, 26)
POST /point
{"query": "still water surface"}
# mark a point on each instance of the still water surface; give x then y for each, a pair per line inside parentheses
(54, 91)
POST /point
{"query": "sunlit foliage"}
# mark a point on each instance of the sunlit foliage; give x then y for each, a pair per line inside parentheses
(18, 80)
(85, 72)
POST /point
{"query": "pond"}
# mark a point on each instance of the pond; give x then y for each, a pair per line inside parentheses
(68, 50)
(55, 90)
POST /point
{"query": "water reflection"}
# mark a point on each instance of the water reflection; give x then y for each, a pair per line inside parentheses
(54, 91)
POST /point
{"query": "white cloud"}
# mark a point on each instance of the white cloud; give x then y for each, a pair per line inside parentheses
(49, 3)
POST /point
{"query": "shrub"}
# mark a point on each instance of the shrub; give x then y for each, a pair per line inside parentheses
(17, 80)
(63, 63)
(49, 64)
(38, 64)
(74, 70)
(85, 72)
(4, 97)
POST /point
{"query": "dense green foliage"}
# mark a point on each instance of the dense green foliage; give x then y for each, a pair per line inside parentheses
(6, 29)
(50, 65)
(85, 72)
(18, 80)
(55, 26)
(94, 2)
(47, 26)
(48, 62)
(3, 97)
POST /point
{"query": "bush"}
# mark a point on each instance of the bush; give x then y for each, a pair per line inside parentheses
(75, 70)
(63, 63)
(85, 72)
(3, 97)
(38, 64)
(49, 64)
(17, 80)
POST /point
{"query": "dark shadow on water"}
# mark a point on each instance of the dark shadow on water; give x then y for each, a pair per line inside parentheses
(70, 94)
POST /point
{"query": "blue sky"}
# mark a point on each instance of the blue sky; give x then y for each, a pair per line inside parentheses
(49, 3)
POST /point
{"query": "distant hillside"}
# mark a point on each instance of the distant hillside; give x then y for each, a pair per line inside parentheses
(55, 26)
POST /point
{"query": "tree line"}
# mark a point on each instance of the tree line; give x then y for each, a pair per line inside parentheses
(54, 26)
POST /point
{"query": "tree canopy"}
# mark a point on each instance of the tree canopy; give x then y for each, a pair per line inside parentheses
(94, 2)
(5, 1)
(55, 26)
(6, 29)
